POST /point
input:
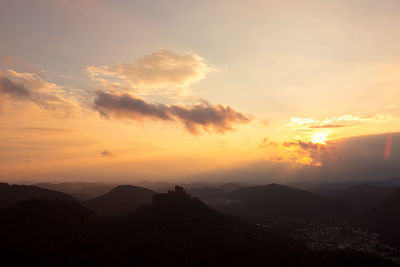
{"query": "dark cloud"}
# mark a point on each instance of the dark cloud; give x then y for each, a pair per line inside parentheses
(126, 106)
(362, 157)
(359, 158)
(217, 118)
(201, 116)
(303, 145)
(107, 153)
(13, 89)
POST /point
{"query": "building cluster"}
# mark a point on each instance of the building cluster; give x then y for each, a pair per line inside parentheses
(344, 236)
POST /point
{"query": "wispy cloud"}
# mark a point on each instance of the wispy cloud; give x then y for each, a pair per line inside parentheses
(46, 129)
(338, 122)
(328, 126)
(266, 142)
(31, 87)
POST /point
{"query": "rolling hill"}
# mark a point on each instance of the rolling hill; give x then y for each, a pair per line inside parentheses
(277, 201)
(80, 190)
(12, 194)
(384, 218)
(121, 200)
(360, 197)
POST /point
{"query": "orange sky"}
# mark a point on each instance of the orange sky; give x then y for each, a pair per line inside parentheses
(128, 90)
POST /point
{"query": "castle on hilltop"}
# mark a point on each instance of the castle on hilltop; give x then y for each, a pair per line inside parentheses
(178, 193)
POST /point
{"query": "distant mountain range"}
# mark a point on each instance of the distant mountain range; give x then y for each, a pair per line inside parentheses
(80, 190)
(360, 197)
(277, 201)
(85, 191)
(389, 182)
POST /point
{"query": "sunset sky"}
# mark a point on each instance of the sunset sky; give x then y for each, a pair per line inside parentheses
(256, 91)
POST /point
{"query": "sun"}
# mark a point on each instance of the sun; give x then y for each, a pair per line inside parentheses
(319, 138)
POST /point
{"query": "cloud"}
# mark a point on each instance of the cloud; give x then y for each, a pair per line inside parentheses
(306, 153)
(301, 121)
(267, 143)
(204, 116)
(17, 63)
(359, 158)
(302, 144)
(338, 122)
(163, 73)
(217, 117)
(362, 157)
(348, 155)
(328, 126)
(32, 88)
(293, 152)
(363, 118)
(47, 129)
(163, 69)
(13, 89)
(127, 106)
(107, 153)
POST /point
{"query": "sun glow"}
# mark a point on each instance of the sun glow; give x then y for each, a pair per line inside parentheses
(319, 138)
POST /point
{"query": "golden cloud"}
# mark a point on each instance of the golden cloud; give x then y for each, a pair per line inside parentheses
(163, 72)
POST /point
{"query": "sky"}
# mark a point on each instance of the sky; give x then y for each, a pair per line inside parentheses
(254, 91)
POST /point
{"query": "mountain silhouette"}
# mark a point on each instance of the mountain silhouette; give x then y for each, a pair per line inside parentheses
(384, 218)
(393, 181)
(121, 200)
(176, 208)
(180, 230)
(229, 187)
(80, 190)
(209, 195)
(360, 197)
(277, 201)
(176, 229)
(11, 194)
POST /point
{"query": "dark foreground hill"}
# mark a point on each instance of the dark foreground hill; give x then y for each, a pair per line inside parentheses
(12, 194)
(384, 218)
(175, 230)
(277, 201)
(121, 200)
